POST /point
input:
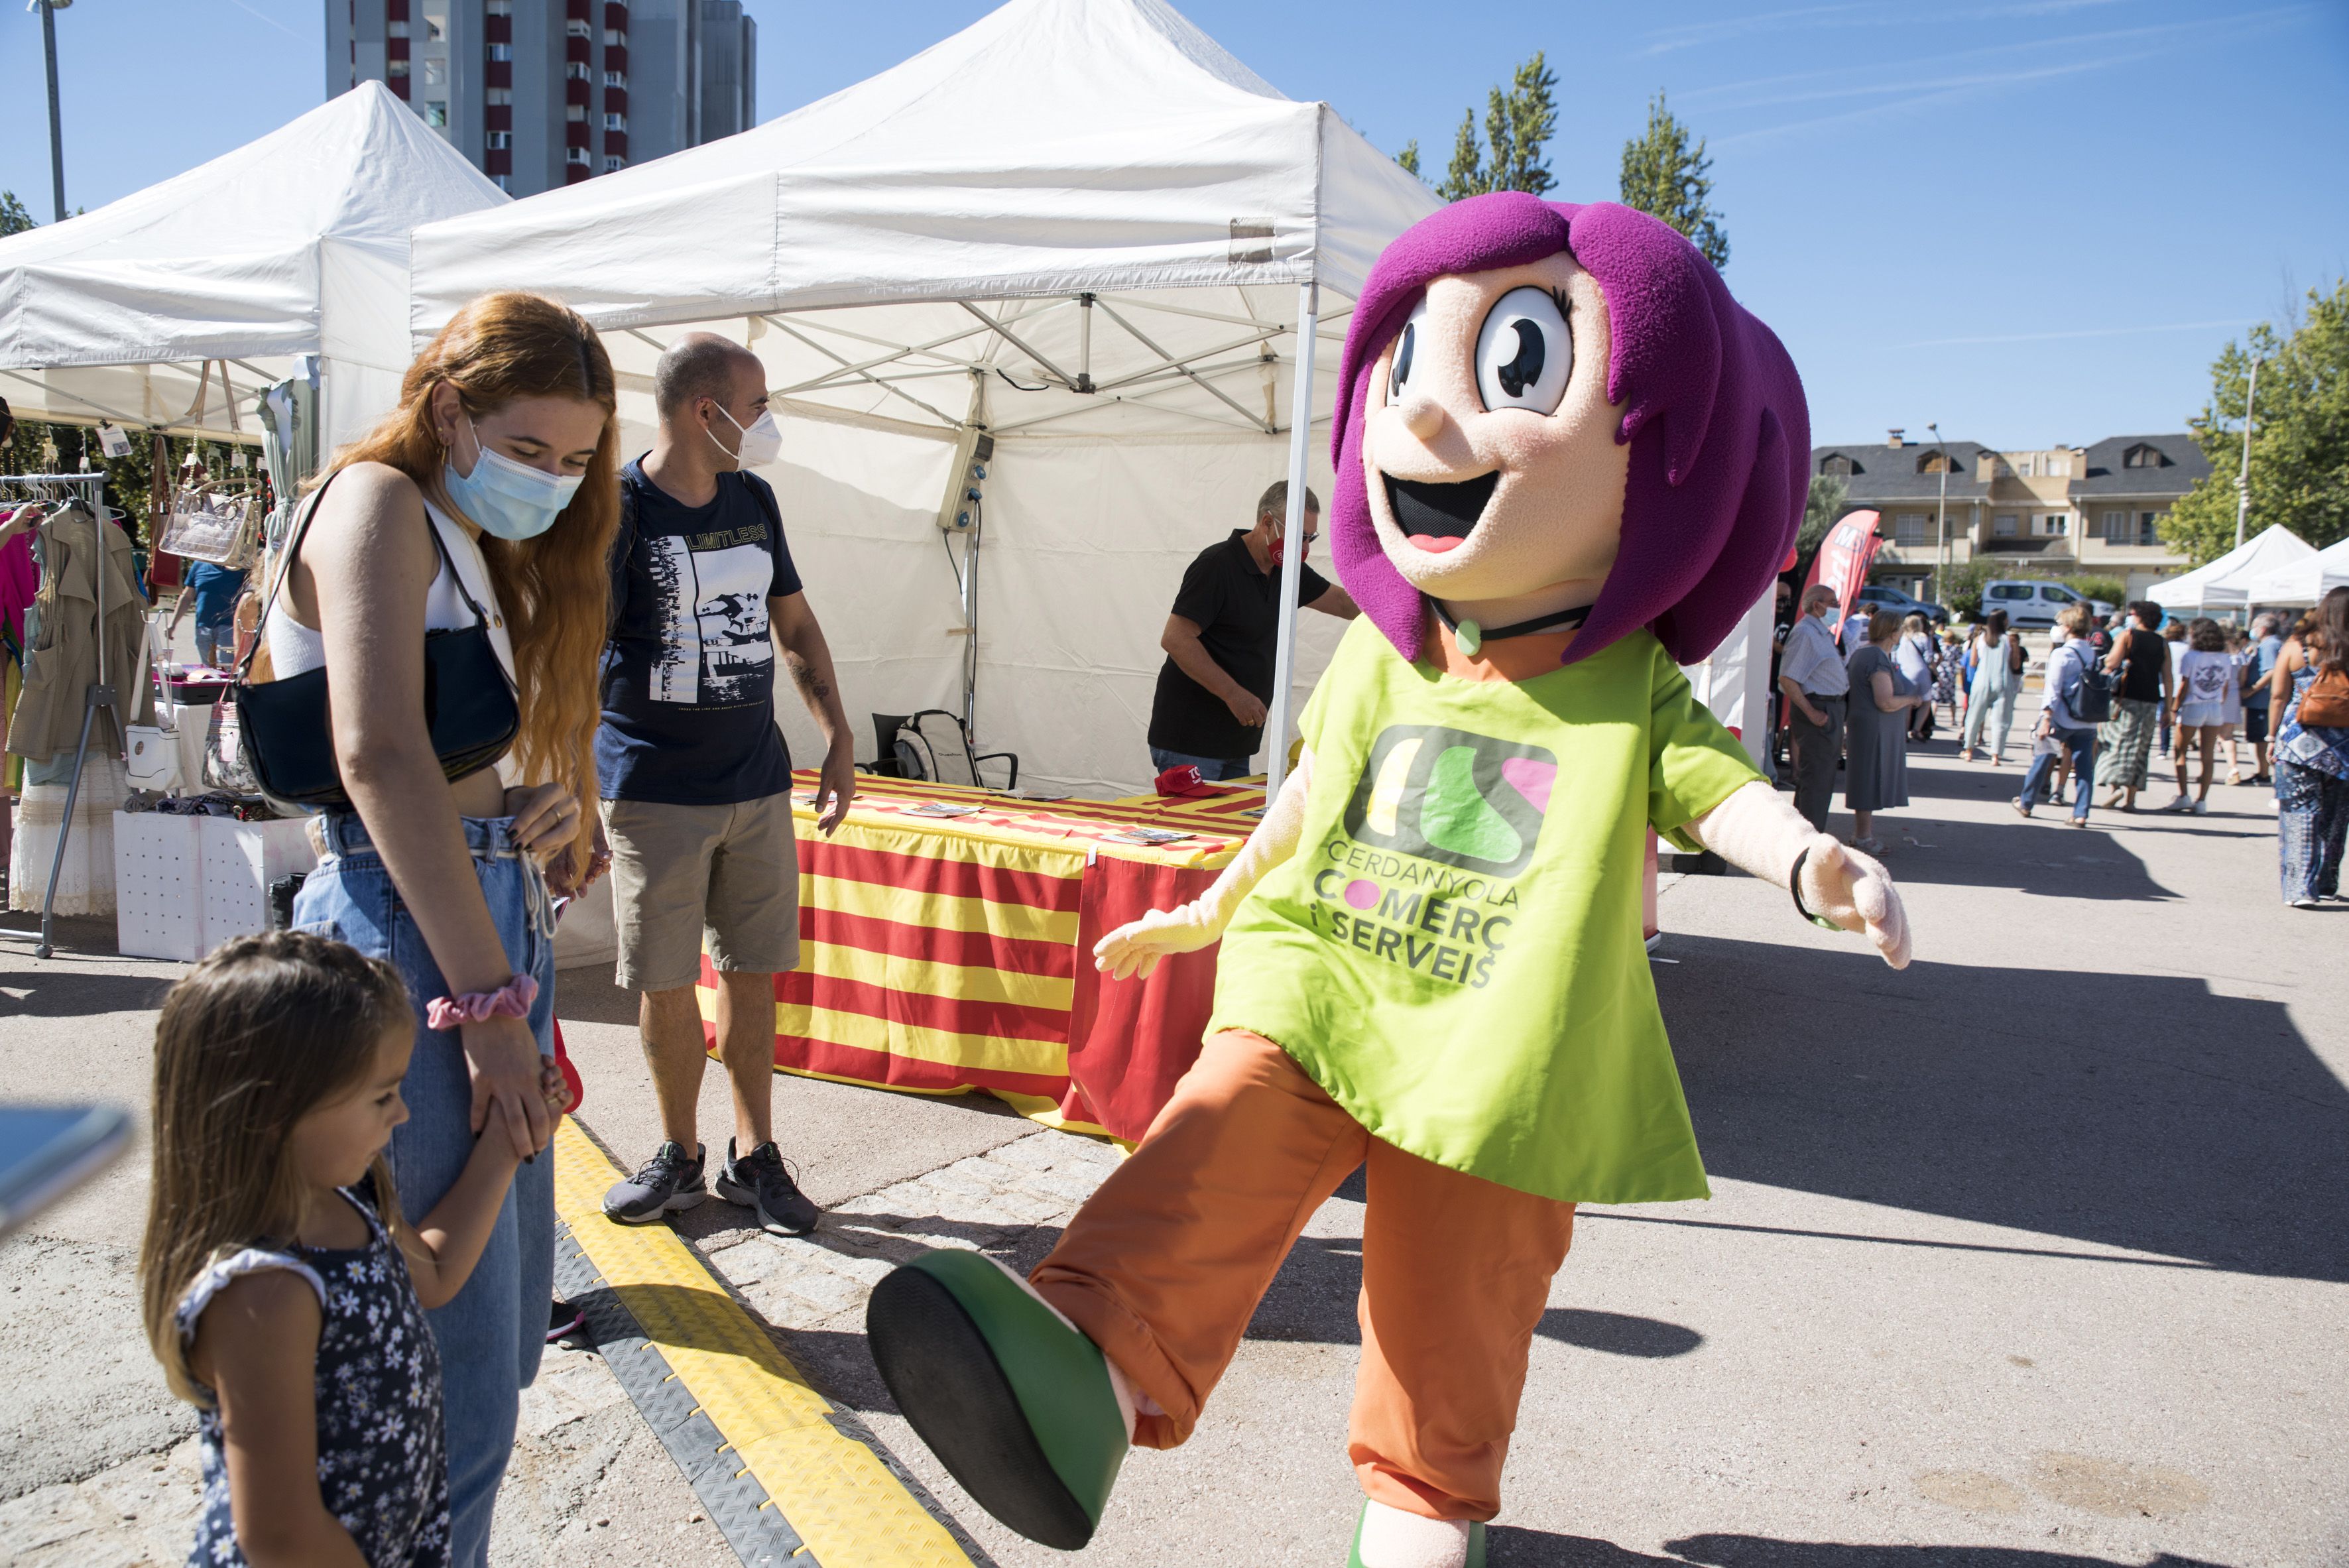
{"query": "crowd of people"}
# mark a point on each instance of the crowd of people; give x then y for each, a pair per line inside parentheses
(1859, 686)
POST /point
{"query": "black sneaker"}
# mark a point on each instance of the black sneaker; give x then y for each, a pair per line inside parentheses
(670, 1179)
(760, 1182)
(562, 1320)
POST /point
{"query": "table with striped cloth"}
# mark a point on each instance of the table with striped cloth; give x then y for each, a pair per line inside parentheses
(941, 955)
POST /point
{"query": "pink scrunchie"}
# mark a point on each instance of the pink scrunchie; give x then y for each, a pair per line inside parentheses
(511, 1000)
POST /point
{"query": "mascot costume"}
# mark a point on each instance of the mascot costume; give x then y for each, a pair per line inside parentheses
(1567, 462)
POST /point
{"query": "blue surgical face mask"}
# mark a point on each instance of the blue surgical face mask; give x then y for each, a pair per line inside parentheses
(502, 496)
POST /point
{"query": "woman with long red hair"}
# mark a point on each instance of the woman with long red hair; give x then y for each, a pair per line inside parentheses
(483, 507)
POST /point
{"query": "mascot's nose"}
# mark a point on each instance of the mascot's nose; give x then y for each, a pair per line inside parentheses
(1423, 416)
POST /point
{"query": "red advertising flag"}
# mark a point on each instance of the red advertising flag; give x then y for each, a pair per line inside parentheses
(1845, 555)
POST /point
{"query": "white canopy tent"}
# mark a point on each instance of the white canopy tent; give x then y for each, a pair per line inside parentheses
(1071, 246)
(168, 309)
(2303, 581)
(2221, 583)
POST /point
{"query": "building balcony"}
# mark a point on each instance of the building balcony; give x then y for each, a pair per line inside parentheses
(1927, 552)
(497, 28)
(2056, 545)
(575, 92)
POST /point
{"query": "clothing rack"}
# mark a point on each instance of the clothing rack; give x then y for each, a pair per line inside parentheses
(90, 490)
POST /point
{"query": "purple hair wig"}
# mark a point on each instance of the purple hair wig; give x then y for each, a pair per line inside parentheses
(1713, 411)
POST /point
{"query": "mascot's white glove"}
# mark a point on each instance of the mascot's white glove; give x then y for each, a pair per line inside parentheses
(1761, 834)
(1136, 947)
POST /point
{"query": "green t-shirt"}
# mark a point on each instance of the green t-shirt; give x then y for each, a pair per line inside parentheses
(1455, 951)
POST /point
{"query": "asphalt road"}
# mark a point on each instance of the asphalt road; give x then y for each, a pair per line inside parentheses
(2029, 1256)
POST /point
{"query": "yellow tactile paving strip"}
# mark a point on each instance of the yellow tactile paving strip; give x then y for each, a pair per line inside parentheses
(836, 1492)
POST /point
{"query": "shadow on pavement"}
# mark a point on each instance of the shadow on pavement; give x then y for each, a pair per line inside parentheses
(2142, 1111)
(1762, 1551)
(2044, 856)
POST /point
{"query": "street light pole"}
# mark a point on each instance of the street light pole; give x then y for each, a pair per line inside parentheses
(2243, 481)
(49, 9)
(1942, 515)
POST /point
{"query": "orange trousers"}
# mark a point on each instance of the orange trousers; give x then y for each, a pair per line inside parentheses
(1164, 1266)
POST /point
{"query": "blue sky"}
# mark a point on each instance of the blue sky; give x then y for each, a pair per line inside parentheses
(2034, 221)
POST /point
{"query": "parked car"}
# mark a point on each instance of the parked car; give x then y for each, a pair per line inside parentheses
(2034, 602)
(1884, 596)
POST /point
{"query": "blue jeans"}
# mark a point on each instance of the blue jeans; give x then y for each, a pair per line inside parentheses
(2082, 745)
(1214, 770)
(492, 1335)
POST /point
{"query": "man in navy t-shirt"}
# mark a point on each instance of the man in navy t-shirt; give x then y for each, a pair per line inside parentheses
(697, 787)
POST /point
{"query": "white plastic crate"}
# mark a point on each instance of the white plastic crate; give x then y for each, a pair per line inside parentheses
(157, 886)
(239, 860)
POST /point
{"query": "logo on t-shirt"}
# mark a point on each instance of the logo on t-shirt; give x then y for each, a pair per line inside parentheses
(1453, 797)
(1423, 874)
(712, 614)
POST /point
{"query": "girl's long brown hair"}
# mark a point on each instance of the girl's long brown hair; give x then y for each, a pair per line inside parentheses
(554, 590)
(264, 1031)
(2331, 639)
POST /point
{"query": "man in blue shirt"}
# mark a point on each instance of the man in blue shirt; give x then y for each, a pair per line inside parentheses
(213, 590)
(697, 787)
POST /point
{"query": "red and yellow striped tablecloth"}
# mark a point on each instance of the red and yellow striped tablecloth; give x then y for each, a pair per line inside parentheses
(940, 955)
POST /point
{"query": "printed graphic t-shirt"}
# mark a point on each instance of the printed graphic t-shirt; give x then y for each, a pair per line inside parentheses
(1455, 951)
(689, 674)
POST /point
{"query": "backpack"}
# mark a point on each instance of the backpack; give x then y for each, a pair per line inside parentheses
(2087, 690)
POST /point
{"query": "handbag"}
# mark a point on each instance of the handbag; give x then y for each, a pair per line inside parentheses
(286, 732)
(206, 525)
(2325, 704)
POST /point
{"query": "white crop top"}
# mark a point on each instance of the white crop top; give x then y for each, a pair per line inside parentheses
(294, 647)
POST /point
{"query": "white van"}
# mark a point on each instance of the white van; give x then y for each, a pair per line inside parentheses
(2034, 602)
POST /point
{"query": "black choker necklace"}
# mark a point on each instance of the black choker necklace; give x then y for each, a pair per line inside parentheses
(1471, 637)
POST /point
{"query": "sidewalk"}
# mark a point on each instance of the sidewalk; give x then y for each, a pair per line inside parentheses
(2029, 1256)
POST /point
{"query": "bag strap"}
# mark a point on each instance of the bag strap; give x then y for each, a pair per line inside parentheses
(294, 546)
(285, 570)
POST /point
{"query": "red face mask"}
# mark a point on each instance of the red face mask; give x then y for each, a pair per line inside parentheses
(1278, 550)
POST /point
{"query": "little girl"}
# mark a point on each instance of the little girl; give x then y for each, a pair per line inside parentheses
(284, 1292)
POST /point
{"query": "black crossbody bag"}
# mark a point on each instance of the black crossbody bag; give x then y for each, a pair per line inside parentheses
(286, 727)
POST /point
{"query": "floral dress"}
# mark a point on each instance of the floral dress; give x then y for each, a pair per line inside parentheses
(383, 1469)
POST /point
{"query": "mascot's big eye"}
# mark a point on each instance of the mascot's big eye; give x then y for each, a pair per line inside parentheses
(1524, 353)
(1406, 348)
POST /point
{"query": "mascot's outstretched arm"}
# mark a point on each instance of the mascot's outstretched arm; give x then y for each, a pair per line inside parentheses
(1136, 947)
(1759, 833)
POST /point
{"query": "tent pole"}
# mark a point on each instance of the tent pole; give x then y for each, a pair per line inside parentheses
(1292, 563)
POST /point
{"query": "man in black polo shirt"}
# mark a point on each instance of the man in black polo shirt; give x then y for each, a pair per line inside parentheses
(1219, 642)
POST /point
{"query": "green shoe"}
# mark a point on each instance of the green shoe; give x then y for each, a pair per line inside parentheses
(1015, 1403)
(1475, 1541)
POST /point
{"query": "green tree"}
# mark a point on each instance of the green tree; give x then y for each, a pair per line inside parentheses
(13, 219)
(1519, 120)
(1409, 158)
(1820, 512)
(1667, 178)
(2300, 435)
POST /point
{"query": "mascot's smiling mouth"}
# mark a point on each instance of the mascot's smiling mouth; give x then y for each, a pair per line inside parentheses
(1437, 517)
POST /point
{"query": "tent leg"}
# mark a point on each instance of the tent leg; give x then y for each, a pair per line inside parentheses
(1292, 564)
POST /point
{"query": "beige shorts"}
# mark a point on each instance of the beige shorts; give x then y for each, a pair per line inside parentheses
(682, 875)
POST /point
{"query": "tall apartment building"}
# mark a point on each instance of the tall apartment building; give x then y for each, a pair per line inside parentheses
(540, 93)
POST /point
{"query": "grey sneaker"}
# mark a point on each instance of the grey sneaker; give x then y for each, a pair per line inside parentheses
(670, 1180)
(760, 1181)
